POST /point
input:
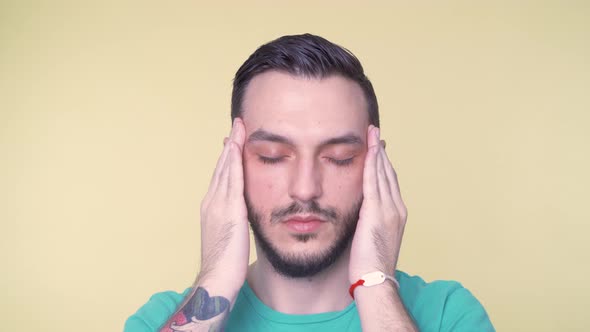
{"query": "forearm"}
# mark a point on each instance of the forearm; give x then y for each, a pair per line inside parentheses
(206, 308)
(224, 245)
(381, 309)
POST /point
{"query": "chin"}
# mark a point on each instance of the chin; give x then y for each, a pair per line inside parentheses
(303, 254)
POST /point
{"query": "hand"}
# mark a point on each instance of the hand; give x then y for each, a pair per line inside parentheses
(382, 217)
(225, 241)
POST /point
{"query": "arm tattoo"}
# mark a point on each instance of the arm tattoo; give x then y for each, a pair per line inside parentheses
(204, 307)
(200, 312)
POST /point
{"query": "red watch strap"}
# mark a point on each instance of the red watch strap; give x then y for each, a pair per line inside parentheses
(360, 282)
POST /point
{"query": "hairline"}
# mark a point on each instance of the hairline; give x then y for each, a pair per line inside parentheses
(307, 76)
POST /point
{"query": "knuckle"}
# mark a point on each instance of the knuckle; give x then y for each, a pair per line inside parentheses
(395, 215)
(204, 204)
(372, 197)
(404, 214)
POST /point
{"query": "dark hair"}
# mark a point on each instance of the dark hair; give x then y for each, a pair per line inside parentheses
(303, 55)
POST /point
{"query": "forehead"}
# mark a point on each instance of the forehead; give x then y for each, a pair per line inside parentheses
(304, 108)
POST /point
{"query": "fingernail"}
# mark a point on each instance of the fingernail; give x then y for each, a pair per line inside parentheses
(233, 129)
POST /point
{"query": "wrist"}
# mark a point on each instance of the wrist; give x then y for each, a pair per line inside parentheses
(372, 279)
(358, 273)
(385, 290)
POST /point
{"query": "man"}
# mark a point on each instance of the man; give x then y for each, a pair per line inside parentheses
(304, 165)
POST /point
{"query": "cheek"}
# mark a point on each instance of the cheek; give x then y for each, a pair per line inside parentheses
(346, 184)
(262, 184)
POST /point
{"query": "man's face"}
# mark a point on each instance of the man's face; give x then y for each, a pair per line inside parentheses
(303, 167)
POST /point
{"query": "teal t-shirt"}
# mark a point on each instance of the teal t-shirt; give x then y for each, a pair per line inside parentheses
(434, 306)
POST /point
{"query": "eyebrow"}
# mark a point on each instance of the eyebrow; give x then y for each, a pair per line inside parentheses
(263, 135)
(351, 139)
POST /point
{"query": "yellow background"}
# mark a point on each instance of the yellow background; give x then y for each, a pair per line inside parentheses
(112, 116)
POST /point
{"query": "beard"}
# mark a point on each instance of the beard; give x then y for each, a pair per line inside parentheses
(294, 265)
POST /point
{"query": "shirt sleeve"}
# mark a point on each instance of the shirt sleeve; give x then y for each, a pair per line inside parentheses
(463, 312)
(152, 315)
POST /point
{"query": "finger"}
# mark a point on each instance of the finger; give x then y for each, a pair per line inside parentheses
(234, 170)
(382, 176)
(223, 179)
(240, 133)
(225, 139)
(235, 176)
(220, 164)
(394, 185)
(370, 187)
(218, 167)
(236, 167)
(372, 136)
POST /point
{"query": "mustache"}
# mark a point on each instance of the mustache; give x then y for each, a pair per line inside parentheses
(311, 207)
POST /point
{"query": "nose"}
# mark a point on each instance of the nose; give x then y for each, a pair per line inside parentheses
(306, 181)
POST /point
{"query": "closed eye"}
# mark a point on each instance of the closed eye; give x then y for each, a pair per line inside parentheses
(269, 160)
(341, 162)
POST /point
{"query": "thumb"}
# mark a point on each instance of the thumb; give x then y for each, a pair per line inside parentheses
(239, 136)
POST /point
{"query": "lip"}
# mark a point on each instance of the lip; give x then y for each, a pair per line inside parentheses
(304, 224)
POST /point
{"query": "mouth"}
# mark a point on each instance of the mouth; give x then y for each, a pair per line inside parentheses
(304, 224)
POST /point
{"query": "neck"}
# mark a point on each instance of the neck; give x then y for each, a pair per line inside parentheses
(327, 291)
